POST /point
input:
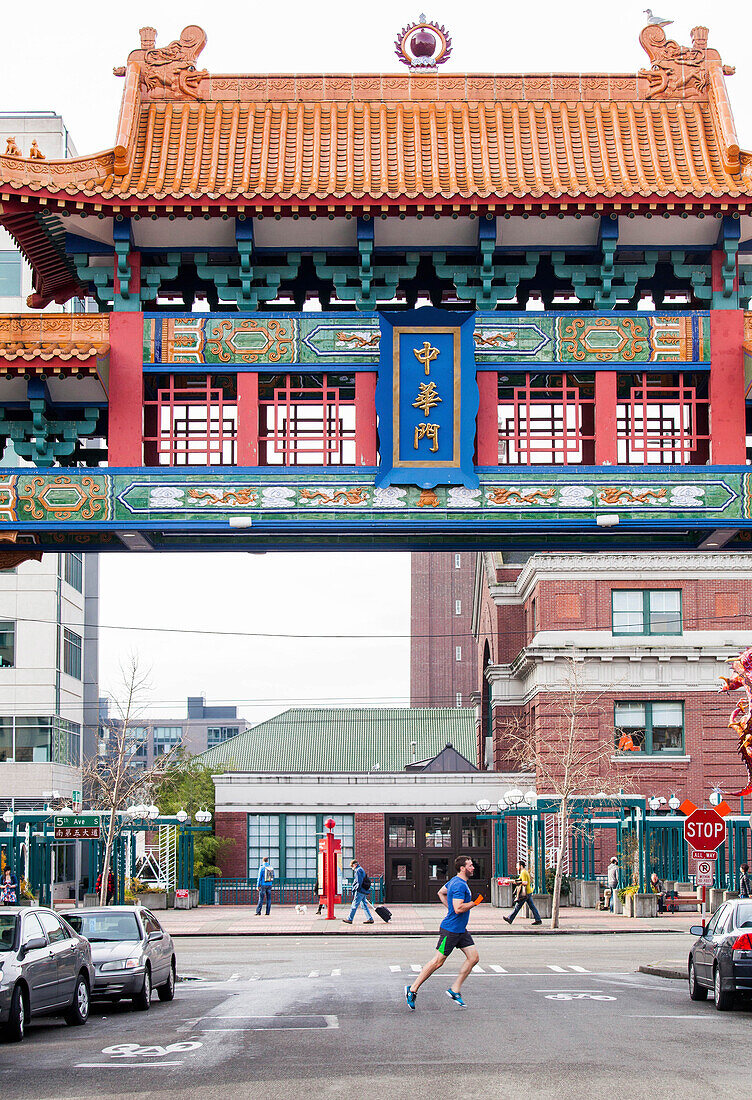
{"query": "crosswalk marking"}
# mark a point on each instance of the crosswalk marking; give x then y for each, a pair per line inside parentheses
(395, 969)
(579, 969)
(479, 970)
(557, 969)
(498, 969)
(415, 968)
(336, 973)
(314, 974)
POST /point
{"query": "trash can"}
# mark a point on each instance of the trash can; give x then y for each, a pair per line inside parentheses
(182, 899)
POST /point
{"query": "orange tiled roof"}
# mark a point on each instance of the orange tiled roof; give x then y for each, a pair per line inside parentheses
(51, 337)
(187, 134)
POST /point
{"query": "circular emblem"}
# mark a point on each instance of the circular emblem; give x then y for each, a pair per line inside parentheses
(423, 45)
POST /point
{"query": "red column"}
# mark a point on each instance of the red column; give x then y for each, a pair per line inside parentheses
(248, 419)
(605, 418)
(487, 422)
(727, 409)
(125, 442)
(365, 419)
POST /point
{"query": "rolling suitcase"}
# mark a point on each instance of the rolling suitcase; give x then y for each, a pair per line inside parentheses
(384, 913)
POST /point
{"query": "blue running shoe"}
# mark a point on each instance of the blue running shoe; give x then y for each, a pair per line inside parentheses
(457, 998)
(410, 997)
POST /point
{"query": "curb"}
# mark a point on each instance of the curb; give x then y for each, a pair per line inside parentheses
(432, 934)
(665, 970)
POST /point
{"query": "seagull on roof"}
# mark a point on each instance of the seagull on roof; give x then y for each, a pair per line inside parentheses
(657, 20)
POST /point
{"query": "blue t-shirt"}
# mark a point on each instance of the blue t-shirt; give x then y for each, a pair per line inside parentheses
(456, 922)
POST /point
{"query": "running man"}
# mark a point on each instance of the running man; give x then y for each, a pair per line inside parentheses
(452, 933)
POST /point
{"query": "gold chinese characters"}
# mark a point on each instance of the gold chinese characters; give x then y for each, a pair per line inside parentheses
(427, 398)
(427, 431)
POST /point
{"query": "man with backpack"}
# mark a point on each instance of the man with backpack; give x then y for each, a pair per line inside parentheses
(264, 883)
(361, 888)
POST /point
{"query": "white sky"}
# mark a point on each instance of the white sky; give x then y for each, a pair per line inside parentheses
(59, 57)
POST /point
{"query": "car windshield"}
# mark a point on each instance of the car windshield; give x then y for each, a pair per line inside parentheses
(105, 927)
(7, 931)
(743, 916)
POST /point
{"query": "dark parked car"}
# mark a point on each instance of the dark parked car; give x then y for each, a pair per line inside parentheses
(721, 957)
(45, 968)
(131, 952)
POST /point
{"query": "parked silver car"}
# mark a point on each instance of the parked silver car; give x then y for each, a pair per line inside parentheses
(45, 968)
(132, 953)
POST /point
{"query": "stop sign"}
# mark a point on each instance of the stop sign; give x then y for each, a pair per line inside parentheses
(704, 830)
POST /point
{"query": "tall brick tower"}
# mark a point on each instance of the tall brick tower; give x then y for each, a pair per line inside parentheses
(442, 653)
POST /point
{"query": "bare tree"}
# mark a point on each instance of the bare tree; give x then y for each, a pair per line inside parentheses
(570, 760)
(114, 779)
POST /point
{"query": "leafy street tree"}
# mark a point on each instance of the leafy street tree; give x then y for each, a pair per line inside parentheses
(569, 758)
(188, 786)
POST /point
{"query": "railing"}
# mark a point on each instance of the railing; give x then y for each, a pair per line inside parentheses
(243, 891)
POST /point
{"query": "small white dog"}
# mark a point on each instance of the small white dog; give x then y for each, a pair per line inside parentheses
(302, 909)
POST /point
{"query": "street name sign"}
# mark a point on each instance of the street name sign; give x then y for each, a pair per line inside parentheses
(704, 831)
(77, 827)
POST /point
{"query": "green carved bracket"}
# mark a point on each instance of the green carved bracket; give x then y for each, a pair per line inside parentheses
(43, 440)
(245, 283)
(368, 283)
(699, 276)
(102, 278)
(487, 283)
(604, 284)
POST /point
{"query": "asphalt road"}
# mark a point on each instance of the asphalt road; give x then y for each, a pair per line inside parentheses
(286, 1018)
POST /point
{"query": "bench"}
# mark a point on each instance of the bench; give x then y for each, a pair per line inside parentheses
(673, 900)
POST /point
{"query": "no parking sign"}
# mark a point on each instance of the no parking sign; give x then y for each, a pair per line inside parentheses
(704, 872)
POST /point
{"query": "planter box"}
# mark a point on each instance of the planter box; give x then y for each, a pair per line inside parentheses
(589, 893)
(627, 906)
(501, 896)
(193, 899)
(574, 891)
(153, 899)
(91, 900)
(27, 903)
(729, 895)
(644, 905)
(543, 903)
(715, 897)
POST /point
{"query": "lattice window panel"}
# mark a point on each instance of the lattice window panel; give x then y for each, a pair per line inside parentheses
(522, 838)
(546, 419)
(553, 834)
(663, 419)
(191, 422)
(307, 420)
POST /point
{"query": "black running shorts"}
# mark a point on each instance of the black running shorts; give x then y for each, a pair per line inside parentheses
(449, 940)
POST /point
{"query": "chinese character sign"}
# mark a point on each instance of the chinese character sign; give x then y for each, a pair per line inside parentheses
(427, 398)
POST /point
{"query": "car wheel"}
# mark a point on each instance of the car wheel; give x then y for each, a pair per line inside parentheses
(78, 1013)
(697, 992)
(167, 990)
(142, 1000)
(16, 1025)
(722, 999)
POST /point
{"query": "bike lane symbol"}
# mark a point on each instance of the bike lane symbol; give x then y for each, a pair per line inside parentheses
(579, 997)
(135, 1050)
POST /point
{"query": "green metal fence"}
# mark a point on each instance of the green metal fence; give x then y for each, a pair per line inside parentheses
(243, 891)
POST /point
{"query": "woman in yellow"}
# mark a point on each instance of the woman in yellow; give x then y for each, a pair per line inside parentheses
(524, 894)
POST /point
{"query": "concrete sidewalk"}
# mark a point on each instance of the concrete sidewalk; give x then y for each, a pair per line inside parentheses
(666, 968)
(407, 920)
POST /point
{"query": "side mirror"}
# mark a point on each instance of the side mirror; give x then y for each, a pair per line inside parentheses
(36, 943)
(155, 936)
(697, 930)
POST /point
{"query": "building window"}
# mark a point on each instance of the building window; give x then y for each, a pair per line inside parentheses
(439, 832)
(656, 611)
(457, 561)
(291, 842)
(401, 832)
(11, 267)
(74, 571)
(71, 653)
(216, 735)
(458, 607)
(166, 738)
(300, 846)
(458, 699)
(546, 419)
(535, 614)
(306, 419)
(475, 833)
(458, 653)
(40, 741)
(263, 840)
(7, 645)
(649, 728)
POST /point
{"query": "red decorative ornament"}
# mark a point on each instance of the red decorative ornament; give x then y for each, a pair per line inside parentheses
(423, 45)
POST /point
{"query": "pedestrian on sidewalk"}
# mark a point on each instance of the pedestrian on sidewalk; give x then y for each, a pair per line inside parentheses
(745, 882)
(524, 894)
(452, 933)
(612, 879)
(659, 890)
(264, 881)
(361, 892)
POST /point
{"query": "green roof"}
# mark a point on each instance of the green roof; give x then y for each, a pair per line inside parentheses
(352, 739)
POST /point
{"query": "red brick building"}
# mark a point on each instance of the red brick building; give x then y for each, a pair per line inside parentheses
(647, 635)
(442, 649)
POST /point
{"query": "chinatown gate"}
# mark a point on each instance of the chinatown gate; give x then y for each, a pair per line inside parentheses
(416, 310)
